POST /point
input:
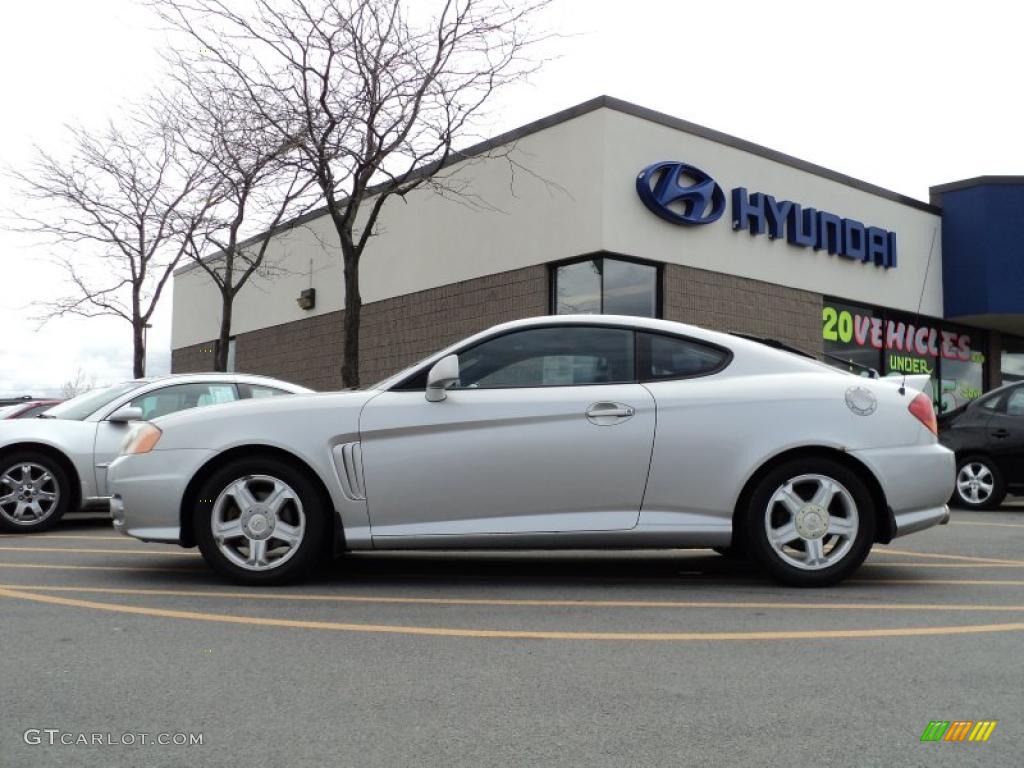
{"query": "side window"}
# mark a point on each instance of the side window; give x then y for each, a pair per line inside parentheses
(1015, 403)
(549, 357)
(670, 357)
(261, 390)
(992, 403)
(180, 397)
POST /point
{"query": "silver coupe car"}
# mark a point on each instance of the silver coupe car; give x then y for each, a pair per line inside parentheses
(58, 462)
(553, 432)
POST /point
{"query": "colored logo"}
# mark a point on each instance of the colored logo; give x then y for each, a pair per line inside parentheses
(959, 730)
(680, 193)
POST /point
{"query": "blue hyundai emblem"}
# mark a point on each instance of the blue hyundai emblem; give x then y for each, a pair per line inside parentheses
(680, 193)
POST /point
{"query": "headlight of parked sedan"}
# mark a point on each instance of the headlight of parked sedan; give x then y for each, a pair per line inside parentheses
(142, 438)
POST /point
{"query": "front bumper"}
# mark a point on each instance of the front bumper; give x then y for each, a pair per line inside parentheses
(917, 481)
(147, 492)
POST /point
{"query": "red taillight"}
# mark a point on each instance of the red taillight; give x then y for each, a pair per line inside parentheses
(921, 407)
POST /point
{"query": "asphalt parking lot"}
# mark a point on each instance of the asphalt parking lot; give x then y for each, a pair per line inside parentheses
(596, 659)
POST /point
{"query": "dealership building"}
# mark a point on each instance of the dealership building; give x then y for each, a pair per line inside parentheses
(610, 207)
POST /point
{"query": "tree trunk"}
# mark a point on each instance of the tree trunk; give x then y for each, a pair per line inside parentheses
(353, 309)
(220, 361)
(138, 349)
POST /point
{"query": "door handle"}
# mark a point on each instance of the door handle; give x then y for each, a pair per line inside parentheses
(609, 413)
(1001, 433)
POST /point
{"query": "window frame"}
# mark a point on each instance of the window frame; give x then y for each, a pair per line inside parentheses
(643, 358)
(176, 385)
(411, 382)
(659, 271)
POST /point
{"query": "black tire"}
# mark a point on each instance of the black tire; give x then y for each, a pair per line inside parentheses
(314, 541)
(60, 484)
(856, 547)
(979, 465)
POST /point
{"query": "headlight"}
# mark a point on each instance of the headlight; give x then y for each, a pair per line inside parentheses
(142, 438)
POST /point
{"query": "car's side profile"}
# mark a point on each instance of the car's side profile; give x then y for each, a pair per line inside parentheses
(556, 432)
(987, 436)
(58, 462)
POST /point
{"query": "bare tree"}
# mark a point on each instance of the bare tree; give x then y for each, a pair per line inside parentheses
(77, 384)
(372, 92)
(116, 214)
(252, 183)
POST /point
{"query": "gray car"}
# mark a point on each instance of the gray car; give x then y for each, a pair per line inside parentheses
(58, 462)
(552, 432)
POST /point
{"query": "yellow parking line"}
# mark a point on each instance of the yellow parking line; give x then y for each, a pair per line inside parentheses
(133, 569)
(505, 602)
(886, 564)
(511, 634)
(88, 551)
(938, 556)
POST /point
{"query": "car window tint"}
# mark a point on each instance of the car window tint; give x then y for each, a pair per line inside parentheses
(180, 397)
(259, 390)
(667, 357)
(1015, 403)
(991, 404)
(549, 357)
(35, 410)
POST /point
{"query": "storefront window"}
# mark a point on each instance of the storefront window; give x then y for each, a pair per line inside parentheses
(606, 285)
(896, 344)
(1012, 362)
(846, 330)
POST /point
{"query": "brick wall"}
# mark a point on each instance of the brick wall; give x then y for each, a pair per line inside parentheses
(398, 331)
(394, 332)
(729, 303)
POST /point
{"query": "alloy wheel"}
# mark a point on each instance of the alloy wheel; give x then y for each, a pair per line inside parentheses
(974, 482)
(29, 494)
(811, 521)
(258, 522)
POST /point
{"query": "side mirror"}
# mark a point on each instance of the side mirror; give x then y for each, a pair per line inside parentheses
(125, 414)
(443, 375)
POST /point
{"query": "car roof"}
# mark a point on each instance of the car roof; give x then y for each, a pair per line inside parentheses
(208, 376)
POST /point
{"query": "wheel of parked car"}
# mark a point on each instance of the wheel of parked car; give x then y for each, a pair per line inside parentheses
(810, 522)
(979, 483)
(34, 492)
(261, 521)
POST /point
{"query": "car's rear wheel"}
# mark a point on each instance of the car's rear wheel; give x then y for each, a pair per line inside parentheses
(261, 521)
(34, 492)
(810, 522)
(979, 484)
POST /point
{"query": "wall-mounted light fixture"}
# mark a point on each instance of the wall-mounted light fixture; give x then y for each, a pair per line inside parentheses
(307, 299)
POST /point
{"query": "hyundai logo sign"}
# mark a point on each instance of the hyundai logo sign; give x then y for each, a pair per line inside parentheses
(680, 193)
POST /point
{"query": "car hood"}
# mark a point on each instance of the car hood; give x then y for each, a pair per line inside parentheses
(45, 430)
(266, 406)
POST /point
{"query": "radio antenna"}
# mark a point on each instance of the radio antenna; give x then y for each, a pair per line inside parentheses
(920, 299)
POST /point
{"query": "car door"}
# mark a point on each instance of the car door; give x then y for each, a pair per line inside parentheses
(1006, 435)
(546, 431)
(154, 403)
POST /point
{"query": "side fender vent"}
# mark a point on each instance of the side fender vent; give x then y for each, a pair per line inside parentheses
(348, 461)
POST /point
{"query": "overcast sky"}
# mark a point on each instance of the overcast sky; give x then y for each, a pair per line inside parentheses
(905, 95)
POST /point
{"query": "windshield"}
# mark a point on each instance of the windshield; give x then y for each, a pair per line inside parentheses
(79, 408)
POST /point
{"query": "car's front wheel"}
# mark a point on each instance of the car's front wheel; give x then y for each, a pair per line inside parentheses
(979, 484)
(261, 521)
(810, 522)
(34, 492)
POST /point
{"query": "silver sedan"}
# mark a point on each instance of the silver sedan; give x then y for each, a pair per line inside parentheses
(58, 462)
(553, 432)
